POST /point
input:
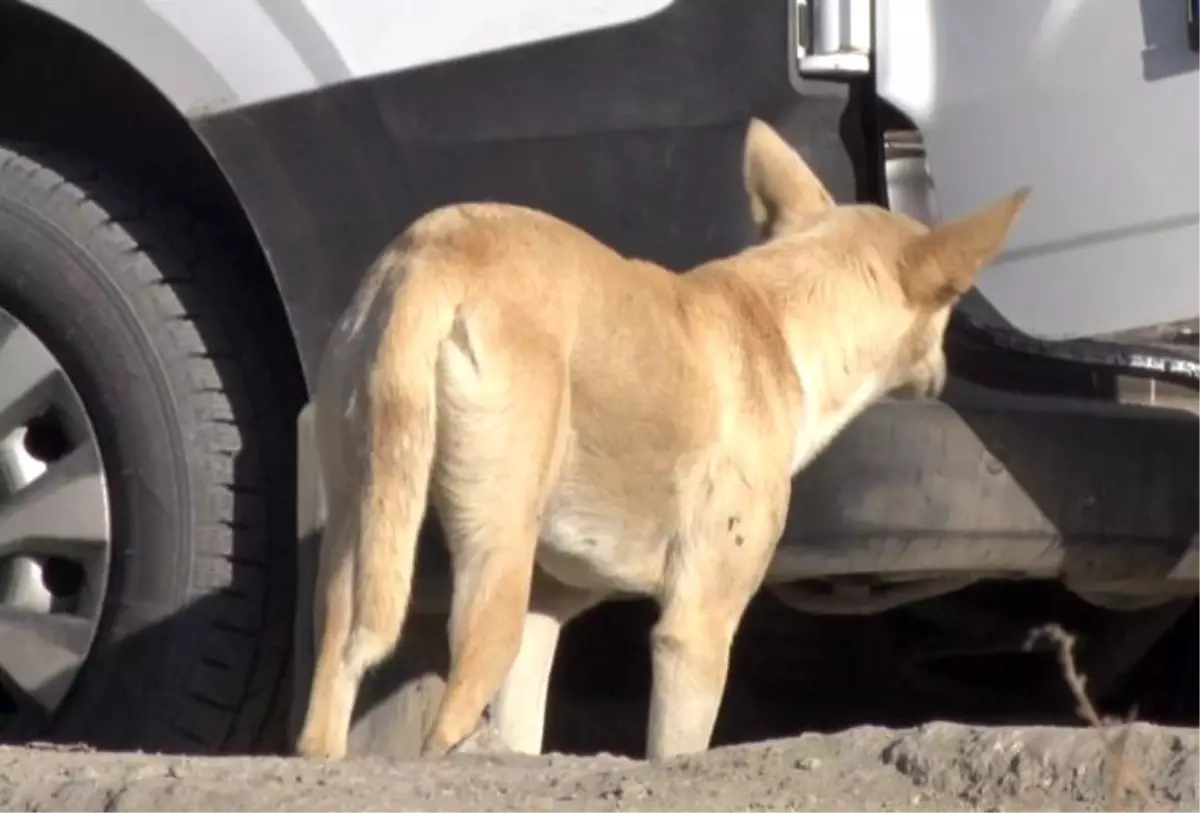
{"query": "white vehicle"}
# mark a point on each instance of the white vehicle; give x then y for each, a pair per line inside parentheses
(190, 190)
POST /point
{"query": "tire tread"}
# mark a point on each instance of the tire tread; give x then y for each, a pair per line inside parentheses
(238, 386)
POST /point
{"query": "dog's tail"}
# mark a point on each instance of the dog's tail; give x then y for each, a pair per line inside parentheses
(402, 419)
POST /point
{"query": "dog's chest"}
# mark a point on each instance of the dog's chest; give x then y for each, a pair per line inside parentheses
(818, 424)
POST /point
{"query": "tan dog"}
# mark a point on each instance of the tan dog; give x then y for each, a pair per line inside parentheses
(627, 429)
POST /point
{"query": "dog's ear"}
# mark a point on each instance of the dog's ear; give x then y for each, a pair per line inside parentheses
(943, 264)
(783, 190)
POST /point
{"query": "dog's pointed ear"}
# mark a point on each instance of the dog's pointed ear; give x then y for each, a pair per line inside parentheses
(942, 265)
(783, 190)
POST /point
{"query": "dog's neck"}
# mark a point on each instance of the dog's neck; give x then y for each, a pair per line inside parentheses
(825, 410)
(841, 358)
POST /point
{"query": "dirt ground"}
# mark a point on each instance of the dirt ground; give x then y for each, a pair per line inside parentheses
(939, 766)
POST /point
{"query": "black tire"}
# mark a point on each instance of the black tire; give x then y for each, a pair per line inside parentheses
(178, 348)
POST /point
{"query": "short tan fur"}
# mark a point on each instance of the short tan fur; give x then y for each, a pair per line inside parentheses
(588, 425)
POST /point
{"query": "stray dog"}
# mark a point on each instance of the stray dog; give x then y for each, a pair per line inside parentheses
(626, 429)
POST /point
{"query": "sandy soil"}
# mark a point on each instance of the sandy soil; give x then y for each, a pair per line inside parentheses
(935, 767)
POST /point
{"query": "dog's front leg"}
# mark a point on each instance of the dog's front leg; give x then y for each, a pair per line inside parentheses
(519, 710)
(690, 656)
(712, 572)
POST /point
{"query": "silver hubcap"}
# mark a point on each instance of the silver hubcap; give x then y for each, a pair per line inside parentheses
(55, 529)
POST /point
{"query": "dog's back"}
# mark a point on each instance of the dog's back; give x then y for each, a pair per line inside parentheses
(513, 277)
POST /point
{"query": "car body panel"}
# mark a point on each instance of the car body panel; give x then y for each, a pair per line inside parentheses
(632, 132)
(284, 47)
(338, 124)
(1092, 102)
(150, 44)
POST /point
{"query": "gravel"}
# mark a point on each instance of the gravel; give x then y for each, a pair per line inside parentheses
(939, 766)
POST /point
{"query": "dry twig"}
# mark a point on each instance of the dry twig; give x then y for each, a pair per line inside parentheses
(1124, 777)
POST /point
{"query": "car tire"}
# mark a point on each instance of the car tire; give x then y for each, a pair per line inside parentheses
(175, 341)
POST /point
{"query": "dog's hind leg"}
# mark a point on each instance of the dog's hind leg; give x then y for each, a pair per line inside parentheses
(331, 697)
(502, 434)
(519, 710)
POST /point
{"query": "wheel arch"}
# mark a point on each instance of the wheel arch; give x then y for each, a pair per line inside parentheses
(124, 95)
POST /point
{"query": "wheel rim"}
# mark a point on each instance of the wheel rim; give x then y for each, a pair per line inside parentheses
(55, 532)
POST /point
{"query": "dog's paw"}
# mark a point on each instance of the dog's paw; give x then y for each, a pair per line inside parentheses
(316, 747)
(485, 739)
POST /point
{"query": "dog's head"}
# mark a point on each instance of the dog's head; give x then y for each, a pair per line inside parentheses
(875, 282)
